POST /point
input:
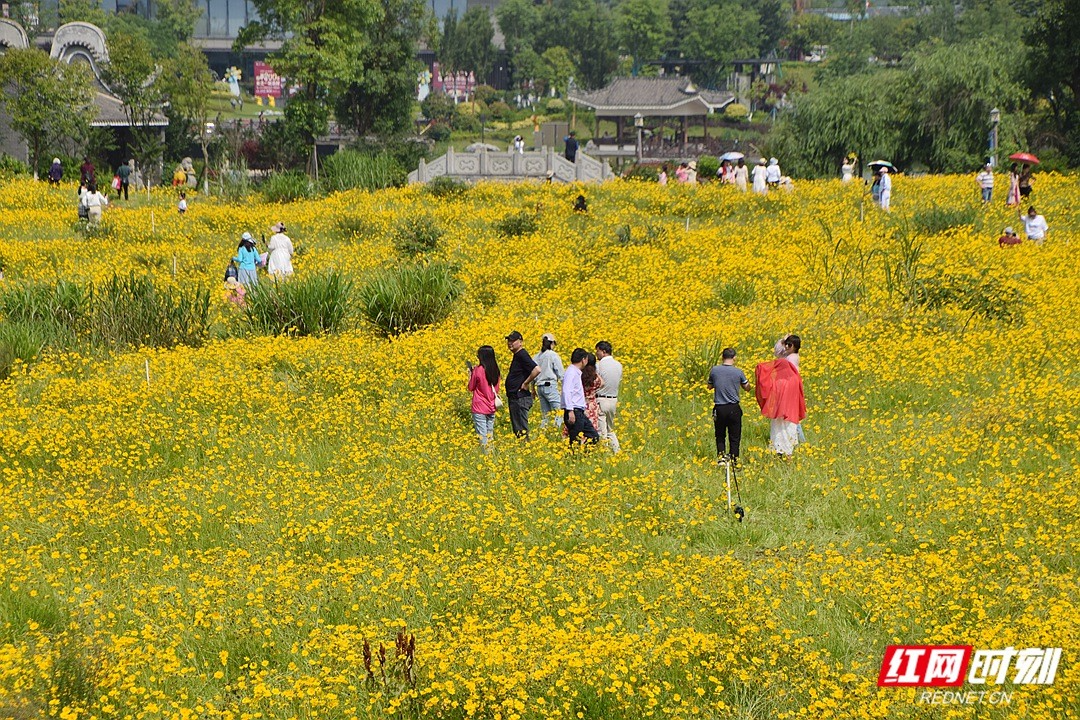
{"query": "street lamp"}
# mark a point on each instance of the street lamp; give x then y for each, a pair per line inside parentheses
(483, 124)
(995, 120)
(639, 123)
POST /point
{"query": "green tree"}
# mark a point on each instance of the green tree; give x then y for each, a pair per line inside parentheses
(382, 101)
(187, 87)
(473, 49)
(718, 32)
(525, 65)
(644, 29)
(556, 69)
(324, 49)
(47, 100)
(951, 91)
(586, 26)
(518, 21)
(134, 76)
(1053, 67)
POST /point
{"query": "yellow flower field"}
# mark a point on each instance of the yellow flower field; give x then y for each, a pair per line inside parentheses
(221, 538)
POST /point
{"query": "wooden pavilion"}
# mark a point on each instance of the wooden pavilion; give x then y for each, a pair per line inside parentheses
(658, 100)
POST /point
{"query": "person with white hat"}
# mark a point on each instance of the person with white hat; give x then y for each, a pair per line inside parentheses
(246, 259)
(280, 247)
(772, 173)
(547, 382)
(886, 188)
(759, 174)
(691, 173)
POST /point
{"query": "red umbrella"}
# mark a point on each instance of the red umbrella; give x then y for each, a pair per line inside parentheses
(1025, 158)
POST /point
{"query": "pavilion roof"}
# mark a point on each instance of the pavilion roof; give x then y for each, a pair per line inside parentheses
(652, 97)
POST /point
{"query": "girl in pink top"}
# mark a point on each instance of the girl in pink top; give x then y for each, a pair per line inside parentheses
(484, 386)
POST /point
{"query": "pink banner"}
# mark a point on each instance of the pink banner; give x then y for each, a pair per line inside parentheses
(267, 82)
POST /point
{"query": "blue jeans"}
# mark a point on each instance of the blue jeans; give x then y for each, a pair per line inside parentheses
(987, 193)
(549, 401)
(485, 427)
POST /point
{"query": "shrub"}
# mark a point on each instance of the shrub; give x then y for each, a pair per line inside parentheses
(707, 165)
(500, 110)
(401, 299)
(517, 224)
(439, 131)
(485, 94)
(736, 111)
(64, 305)
(554, 106)
(466, 123)
(313, 305)
(446, 187)
(936, 219)
(349, 169)
(437, 106)
(417, 235)
(10, 166)
(288, 186)
(132, 311)
(20, 342)
(696, 362)
(647, 173)
(735, 292)
(649, 233)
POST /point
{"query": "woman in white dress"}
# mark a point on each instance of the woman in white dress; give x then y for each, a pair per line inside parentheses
(280, 248)
(759, 177)
(847, 171)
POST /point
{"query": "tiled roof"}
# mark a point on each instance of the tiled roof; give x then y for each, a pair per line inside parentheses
(642, 94)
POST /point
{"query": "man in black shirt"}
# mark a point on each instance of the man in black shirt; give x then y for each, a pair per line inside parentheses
(571, 146)
(519, 380)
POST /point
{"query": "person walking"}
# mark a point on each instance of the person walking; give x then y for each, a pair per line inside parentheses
(725, 380)
(886, 189)
(691, 172)
(86, 173)
(662, 177)
(95, 202)
(759, 174)
(1012, 199)
(573, 401)
(56, 172)
(591, 383)
(985, 181)
(484, 386)
(519, 145)
(742, 173)
(1024, 181)
(571, 147)
(519, 395)
(1035, 226)
(246, 259)
(124, 173)
(772, 173)
(610, 371)
(280, 248)
(779, 391)
(547, 382)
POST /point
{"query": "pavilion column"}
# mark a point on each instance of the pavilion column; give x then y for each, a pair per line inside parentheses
(618, 130)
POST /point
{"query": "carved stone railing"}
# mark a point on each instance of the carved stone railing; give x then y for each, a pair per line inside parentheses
(490, 165)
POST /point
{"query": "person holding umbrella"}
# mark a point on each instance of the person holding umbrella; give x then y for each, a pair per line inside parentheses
(1024, 180)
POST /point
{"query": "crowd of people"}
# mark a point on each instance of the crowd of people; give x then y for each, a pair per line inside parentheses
(589, 395)
(588, 399)
(242, 272)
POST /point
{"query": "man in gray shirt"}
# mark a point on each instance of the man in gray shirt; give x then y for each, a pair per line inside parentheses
(725, 380)
(610, 371)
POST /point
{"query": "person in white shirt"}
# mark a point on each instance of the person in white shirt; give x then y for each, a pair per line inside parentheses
(886, 189)
(985, 181)
(519, 145)
(772, 172)
(547, 382)
(94, 201)
(280, 249)
(610, 371)
(1035, 226)
(847, 171)
(758, 175)
(573, 401)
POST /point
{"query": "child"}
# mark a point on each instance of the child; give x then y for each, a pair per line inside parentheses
(235, 292)
(182, 205)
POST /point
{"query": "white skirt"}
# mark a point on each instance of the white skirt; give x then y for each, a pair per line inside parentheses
(783, 436)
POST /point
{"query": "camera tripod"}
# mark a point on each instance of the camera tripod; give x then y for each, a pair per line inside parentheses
(732, 477)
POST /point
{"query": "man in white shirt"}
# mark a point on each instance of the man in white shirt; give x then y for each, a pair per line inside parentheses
(573, 401)
(1035, 226)
(985, 181)
(547, 382)
(610, 371)
(94, 201)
